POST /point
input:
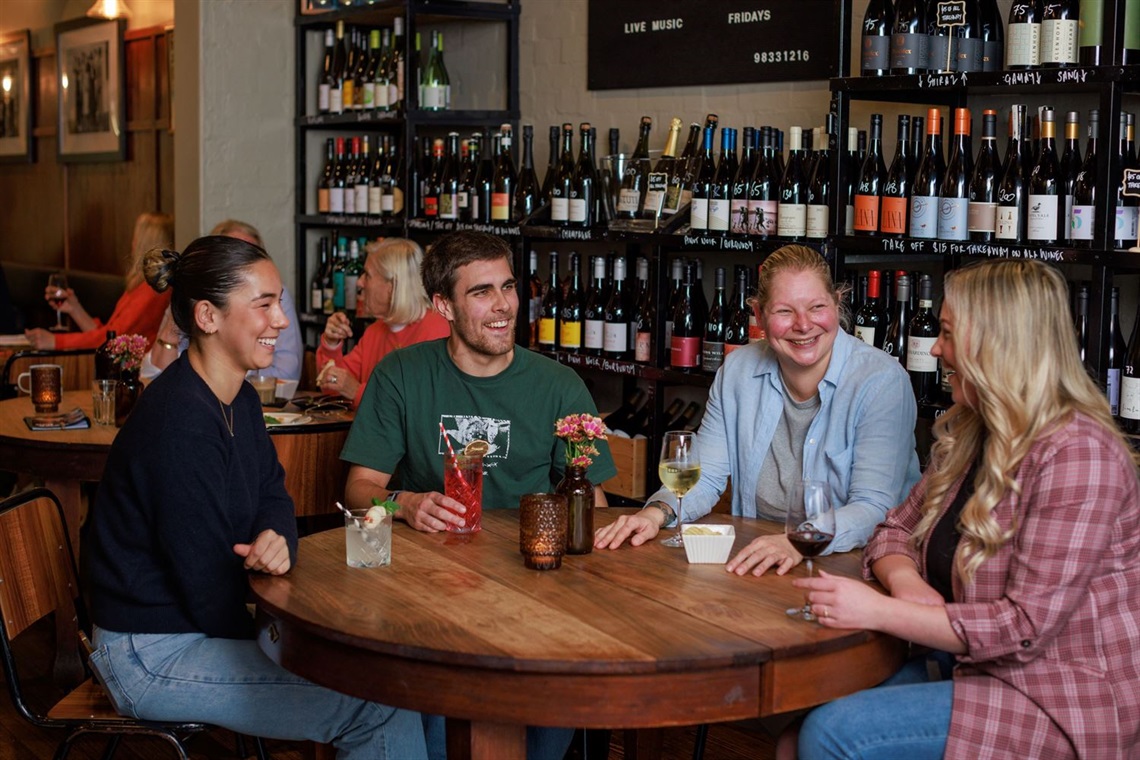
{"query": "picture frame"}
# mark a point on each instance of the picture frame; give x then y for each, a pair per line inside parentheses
(16, 144)
(92, 84)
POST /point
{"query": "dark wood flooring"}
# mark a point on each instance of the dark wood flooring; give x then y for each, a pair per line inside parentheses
(20, 740)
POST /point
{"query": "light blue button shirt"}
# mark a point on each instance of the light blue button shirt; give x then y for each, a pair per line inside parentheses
(861, 443)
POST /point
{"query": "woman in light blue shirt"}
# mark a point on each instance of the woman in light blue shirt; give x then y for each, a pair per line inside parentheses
(810, 402)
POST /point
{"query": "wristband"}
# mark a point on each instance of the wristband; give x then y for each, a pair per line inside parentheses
(670, 515)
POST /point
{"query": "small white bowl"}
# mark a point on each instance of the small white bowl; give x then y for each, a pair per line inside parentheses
(706, 549)
(286, 389)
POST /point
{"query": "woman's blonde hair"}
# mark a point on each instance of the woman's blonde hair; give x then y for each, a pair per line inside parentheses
(399, 261)
(239, 229)
(795, 259)
(152, 231)
(1014, 343)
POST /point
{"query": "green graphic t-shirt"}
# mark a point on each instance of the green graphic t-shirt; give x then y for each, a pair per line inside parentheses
(413, 390)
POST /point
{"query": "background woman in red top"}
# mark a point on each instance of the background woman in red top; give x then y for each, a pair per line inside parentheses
(1018, 553)
(139, 310)
(391, 291)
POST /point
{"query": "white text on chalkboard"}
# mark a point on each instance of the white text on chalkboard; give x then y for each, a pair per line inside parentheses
(749, 17)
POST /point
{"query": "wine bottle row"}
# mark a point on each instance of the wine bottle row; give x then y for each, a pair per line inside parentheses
(357, 181)
(1040, 193)
(633, 419)
(364, 70)
(333, 286)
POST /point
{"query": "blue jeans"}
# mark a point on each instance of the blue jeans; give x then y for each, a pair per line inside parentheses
(541, 743)
(906, 717)
(231, 683)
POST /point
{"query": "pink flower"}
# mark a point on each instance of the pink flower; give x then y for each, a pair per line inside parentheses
(579, 430)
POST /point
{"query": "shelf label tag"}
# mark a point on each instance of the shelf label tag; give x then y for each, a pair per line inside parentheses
(1132, 182)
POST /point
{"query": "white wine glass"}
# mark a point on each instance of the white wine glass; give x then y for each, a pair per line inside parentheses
(58, 284)
(679, 470)
(810, 528)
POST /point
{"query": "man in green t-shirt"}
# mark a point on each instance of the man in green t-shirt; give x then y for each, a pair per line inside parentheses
(477, 385)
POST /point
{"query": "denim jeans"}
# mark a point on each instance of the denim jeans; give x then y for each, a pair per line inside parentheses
(905, 717)
(541, 743)
(231, 683)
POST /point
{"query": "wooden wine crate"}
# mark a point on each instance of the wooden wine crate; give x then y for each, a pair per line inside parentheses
(629, 456)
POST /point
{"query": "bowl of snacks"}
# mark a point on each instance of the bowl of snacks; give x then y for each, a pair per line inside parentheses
(708, 544)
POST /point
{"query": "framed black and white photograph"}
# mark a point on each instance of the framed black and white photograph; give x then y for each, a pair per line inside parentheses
(16, 97)
(90, 73)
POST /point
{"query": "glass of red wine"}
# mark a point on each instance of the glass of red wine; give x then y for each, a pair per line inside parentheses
(58, 284)
(810, 527)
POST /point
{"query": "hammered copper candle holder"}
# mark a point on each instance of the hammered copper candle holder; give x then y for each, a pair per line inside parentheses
(542, 530)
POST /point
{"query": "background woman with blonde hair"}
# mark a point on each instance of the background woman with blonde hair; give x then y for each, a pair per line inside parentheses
(391, 291)
(1018, 553)
(139, 310)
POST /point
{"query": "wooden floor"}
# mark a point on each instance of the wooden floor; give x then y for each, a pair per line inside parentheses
(20, 740)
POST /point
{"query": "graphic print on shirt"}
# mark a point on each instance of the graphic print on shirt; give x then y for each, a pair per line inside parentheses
(462, 429)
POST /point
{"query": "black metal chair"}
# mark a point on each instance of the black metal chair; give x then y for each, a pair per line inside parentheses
(38, 578)
(77, 373)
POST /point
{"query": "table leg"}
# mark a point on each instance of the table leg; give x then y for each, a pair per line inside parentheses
(482, 740)
(643, 743)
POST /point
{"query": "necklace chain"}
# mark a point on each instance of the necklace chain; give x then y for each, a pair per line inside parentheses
(228, 420)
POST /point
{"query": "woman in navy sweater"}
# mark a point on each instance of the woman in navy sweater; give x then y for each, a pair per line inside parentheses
(192, 500)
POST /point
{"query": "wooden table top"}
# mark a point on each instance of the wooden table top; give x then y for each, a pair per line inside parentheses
(631, 638)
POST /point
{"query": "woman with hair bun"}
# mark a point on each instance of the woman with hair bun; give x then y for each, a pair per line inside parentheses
(1016, 558)
(193, 500)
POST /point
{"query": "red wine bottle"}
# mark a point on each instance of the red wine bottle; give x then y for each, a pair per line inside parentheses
(1082, 216)
(570, 314)
(1130, 382)
(909, 40)
(736, 326)
(993, 36)
(871, 320)
(921, 335)
(712, 347)
(819, 189)
(927, 186)
(1068, 169)
(688, 325)
(791, 215)
(449, 180)
(701, 187)
(741, 183)
(954, 204)
(594, 315)
(869, 188)
(720, 188)
(1044, 218)
(1115, 350)
(1011, 192)
(642, 323)
(615, 332)
(878, 21)
(982, 214)
(896, 338)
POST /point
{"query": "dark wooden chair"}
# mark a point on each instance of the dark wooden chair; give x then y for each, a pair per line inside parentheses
(38, 578)
(78, 368)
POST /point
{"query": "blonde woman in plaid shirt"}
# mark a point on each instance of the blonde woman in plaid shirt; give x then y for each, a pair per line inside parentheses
(1017, 554)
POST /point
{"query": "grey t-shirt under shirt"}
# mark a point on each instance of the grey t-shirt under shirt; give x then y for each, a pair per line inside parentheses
(784, 465)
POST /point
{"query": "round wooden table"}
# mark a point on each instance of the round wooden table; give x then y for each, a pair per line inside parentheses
(633, 638)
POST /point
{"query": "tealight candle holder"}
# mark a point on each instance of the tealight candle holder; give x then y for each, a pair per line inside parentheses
(542, 530)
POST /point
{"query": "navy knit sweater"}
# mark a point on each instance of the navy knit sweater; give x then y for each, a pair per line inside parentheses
(177, 494)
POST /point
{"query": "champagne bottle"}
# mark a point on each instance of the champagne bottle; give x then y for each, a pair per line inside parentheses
(615, 332)
(1130, 382)
(871, 177)
(878, 21)
(594, 315)
(551, 164)
(712, 347)
(871, 321)
(657, 183)
(895, 341)
(954, 206)
(527, 192)
(819, 189)
(1082, 217)
(720, 187)
(641, 326)
(1011, 191)
(688, 323)
(636, 175)
(551, 309)
(678, 194)
(563, 180)
(1059, 32)
(984, 183)
(570, 322)
(893, 214)
(1023, 48)
(791, 216)
(993, 36)
(701, 187)
(928, 182)
(921, 336)
(583, 192)
(328, 74)
(909, 40)
(1115, 350)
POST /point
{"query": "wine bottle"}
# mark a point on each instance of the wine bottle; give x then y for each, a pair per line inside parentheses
(878, 21)
(678, 194)
(366, 92)
(618, 421)
(687, 419)
(435, 80)
(328, 74)
(1011, 190)
(871, 321)
(449, 180)
(381, 76)
(918, 147)
(993, 36)
(895, 341)
(927, 185)
(433, 188)
(526, 196)
(1023, 47)
(594, 314)
(893, 214)
(720, 186)
(942, 45)
(1130, 382)
(1081, 321)
(642, 323)
(657, 183)
(741, 183)
(688, 324)
(1068, 168)
(105, 365)
(504, 179)
(551, 164)
(563, 180)
(984, 183)
(1043, 217)
(909, 38)
(736, 325)
(551, 309)
(701, 187)
(1115, 350)
(712, 347)
(616, 326)
(677, 275)
(483, 184)
(954, 205)
(584, 187)
(1059, 32)
(635, 178)
(1126, 205)
(396, 67)
(819, 189)
(570, 314)
(338, 272)
(1082, 217)
(337, 186)
(325, 184)
(970, 40)
(921, 336)
(339, 62)
(352, 181)
(791, 215)
(316, 287)
(871, 177)
(763, 190)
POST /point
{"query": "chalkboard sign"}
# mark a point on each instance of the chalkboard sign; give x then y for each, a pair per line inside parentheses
(1132, 182)
(951, 13)
(671, 43)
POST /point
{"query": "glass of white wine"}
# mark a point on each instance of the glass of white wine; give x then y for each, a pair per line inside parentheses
(679, 470)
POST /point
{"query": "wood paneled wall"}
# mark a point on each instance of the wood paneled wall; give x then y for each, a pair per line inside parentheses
(80, 216)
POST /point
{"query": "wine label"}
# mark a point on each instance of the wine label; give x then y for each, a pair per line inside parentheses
(336, 100)
(348, 94)
(982, 217)
(719, 211)
(435, 97)
(381, 96)
(323, 98)
(361, 199)
(817, 219)
(893, 216)
(501, 206)
(594, 333)
(791, 220)
(350, 200)
(615, 337)
(953, 216)
(942, 52)
(918, 358)
(865, 334)
(762, 217)
(1130, 397)
(570, 335)
(336, 200)
(323, 200)
(909, 51)
(559, 209)
(1023, 45)
(699, 214)
(374, 200)
(1126, 219)
(1059, 40)
(849, 225)
(684, 352)
(971, 54)
(866, 213)
(641, 347)
(654, 202)
(712, 355)
(876, 53)
(672, 199)
(327, 300)
(1041, 220)
(577, 210)
(397, 200)
(431, 206)
(1114, 391)
(1081, 222)
(628, 201)
(464, 199)
(316, 299)
(367, 96)
(740, 217)
(546, 331)
(449, 206)
(1008, 221)
(924, 217)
